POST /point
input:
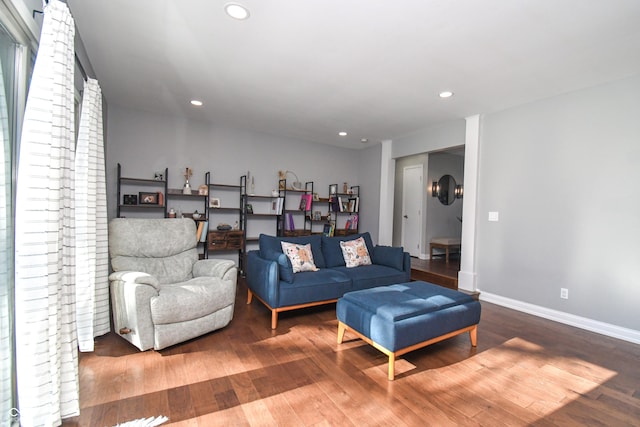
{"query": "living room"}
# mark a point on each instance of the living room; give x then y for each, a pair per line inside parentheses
(554, 170)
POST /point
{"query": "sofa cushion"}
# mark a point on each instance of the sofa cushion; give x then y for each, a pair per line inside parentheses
(273, 243)
(369, 276)
(285, 269)
(388, 255)
(332, 251)
(355, 253)
(308, 286)
(300, 256)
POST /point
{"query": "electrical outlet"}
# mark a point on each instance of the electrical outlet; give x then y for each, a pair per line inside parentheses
(564, 293)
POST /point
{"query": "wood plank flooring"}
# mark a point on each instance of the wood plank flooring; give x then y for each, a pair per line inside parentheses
(525, 371)
(437, 271)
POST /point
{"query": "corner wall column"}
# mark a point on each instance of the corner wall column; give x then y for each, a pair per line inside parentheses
(467, 273)
(387, 181)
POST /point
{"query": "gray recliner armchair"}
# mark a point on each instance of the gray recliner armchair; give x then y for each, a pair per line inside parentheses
(161, 293)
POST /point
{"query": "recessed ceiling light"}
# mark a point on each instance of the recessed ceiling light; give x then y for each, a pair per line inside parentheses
(196, 102)
(446, 94)
(236, 11)
(342, 133)
(364, 140)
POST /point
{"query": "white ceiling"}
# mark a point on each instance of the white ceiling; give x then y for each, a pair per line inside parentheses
(306, 69)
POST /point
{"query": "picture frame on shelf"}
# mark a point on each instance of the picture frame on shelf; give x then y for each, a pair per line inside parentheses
(333, 189)
(316, 197)
(249, 208)
(214, 202)
(148, 198)
(130, 199)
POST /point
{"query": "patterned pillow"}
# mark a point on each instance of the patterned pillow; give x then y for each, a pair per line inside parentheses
(300, 256)
(355, 253)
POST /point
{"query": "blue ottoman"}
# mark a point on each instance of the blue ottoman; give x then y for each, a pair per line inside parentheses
(401, 318)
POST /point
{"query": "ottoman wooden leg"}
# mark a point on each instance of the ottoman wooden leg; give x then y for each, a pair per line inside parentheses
(341, 329)
(392, 366)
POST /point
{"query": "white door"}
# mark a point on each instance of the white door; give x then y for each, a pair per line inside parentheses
(412, 189)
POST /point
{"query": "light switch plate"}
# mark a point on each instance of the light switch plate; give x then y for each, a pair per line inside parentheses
(494, 216)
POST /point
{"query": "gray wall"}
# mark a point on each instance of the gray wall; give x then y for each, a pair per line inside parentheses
(442, 220)
(412, 150)
(435, 138)
(401, 163)
(144, 142)
(563, 173)
(368, 168)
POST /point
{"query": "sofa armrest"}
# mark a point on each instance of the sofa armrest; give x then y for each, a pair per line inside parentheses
(406, 268)
(263, 278)
(223, 268)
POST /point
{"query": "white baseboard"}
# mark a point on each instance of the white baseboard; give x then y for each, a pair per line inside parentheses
(603, 328)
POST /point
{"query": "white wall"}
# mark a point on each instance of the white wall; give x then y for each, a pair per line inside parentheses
(563, 173)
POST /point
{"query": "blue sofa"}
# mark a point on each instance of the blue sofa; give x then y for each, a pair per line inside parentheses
(271, 279)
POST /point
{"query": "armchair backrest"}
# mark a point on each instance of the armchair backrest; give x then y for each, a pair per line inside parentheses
(164, 248)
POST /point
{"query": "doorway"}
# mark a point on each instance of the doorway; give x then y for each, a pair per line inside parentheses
(412, 212)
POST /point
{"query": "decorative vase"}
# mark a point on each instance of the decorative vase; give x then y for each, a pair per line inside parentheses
(187, 188)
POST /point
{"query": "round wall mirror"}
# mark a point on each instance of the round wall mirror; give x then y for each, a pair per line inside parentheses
(446, 189)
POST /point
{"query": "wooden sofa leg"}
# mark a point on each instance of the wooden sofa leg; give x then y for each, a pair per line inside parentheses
(249, 297)
(274, 319)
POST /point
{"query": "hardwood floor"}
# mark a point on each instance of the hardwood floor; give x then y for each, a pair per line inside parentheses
(437, 270)
(525, 371)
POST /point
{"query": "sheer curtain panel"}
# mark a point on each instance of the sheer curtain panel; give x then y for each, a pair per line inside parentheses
(6, 245)
(46, 341)
(92, 284)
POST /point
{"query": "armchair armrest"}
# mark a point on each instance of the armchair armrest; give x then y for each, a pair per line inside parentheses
(131, 295)
(263, 278)
(222, 268)
(136, 277)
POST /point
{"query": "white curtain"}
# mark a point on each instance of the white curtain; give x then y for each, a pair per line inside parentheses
(92, 284)
(46, 340)
(6, 261)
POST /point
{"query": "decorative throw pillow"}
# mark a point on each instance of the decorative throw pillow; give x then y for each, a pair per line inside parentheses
(355, 253)
(300, 256)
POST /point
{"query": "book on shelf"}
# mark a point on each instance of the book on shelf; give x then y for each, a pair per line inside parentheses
(328, 229)
(205, 230)
(354, 204)
(199, 230)
(276, 205)
(354, 222)
(347, 225)
(334, 204)
(305, 202)
(290, 225)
